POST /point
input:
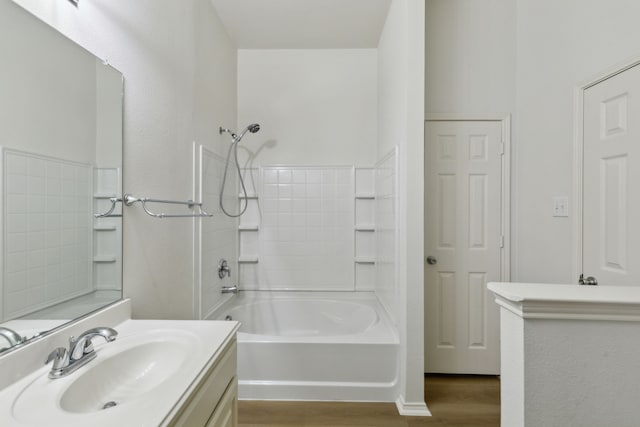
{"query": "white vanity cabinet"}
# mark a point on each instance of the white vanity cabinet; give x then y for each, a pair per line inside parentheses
(213, 401)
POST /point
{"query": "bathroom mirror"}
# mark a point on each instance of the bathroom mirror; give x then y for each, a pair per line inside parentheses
(61, 163)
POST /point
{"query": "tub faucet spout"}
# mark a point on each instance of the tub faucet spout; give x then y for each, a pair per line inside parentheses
(229, 289)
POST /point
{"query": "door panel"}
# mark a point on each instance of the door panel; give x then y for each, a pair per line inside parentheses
(611, 235)
(462, 232)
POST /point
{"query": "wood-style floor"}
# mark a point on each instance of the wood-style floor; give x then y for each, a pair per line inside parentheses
(454, 400)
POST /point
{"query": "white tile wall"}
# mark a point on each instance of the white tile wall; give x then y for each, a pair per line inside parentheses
(47, 206)
(218, 234)
(365, 182)
(386, 285)
(306, 239)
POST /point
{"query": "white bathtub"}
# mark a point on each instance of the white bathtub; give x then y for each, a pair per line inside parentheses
(314, 346)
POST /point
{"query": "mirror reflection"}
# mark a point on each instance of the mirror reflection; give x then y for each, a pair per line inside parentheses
(61, 163)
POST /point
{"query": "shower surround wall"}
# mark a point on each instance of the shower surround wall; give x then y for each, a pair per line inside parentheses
(308, 228)
(322, 229)
(386, 225)
(306, 235)
(218, 239)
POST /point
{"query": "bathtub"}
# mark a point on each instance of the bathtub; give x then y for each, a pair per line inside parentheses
(313, 346)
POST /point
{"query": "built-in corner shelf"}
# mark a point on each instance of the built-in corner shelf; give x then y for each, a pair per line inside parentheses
(249, 196)
(248, 260)
(104, 259)
(104, 228)
(365, 196)
(104, 195)
(365, 260)
(248, 227)
(365, 227)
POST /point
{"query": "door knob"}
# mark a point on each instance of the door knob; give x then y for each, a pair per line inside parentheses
(589, 281)
(431, 260)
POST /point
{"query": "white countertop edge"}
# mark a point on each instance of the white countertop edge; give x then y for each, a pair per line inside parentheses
(569, 302)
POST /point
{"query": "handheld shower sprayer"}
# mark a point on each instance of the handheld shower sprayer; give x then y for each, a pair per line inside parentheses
(252, 128)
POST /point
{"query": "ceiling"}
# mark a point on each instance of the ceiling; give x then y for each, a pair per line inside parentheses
(303, 24)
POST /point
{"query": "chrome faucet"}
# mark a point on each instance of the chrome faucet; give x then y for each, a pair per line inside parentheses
(229, 289)
(79, 354)
(12, 336)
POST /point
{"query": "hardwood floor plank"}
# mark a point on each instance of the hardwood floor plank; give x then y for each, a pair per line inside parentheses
(454, 401)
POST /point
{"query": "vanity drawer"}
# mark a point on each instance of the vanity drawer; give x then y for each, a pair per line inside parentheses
(199, 407)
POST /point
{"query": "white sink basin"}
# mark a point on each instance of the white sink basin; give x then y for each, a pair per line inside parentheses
(135, 380)
(124, 376)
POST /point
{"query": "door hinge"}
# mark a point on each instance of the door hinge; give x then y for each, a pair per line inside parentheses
(502, 148)
(502, 241)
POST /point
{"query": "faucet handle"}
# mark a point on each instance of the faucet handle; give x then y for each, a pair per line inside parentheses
(78, 349)
(58, 356)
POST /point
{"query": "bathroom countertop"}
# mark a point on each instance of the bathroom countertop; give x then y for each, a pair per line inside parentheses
(557, 301)
(569, 302)
(557, 292)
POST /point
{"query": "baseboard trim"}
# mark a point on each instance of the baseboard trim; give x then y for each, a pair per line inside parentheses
(412, 409)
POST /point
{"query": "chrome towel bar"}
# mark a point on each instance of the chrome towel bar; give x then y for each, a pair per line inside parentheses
(130, 200)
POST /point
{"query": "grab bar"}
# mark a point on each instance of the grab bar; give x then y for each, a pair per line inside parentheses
(130, 200)
(113, 201)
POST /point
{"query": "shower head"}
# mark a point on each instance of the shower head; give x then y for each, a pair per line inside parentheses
(253, 128)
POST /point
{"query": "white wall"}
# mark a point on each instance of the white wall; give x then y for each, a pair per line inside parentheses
(560, 45)
(400, 122)
(526, 58)
(470, 51)
(43, 107)
(315, 107)
(158, 49)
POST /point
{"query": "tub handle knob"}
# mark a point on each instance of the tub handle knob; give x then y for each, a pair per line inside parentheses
(223, 269)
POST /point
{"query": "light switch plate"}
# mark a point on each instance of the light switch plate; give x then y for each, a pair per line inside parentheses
(561, 206)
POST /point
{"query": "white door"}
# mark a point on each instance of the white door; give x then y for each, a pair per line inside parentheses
(463, 167)
(611, 180)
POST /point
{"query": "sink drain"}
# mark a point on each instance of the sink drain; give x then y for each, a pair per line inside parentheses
(109, 405)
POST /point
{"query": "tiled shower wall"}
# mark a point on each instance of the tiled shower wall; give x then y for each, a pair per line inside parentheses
(308, 228)
(386, 285)
(218, 234)
(47, 252)
(306, 235)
